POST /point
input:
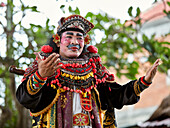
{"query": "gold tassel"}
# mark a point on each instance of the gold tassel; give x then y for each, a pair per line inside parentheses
(85, 94)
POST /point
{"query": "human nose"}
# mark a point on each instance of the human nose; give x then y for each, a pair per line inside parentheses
(74, 41)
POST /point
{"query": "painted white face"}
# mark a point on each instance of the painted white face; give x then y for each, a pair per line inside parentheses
(72, 44)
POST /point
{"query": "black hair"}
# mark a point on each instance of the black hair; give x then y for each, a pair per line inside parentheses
(53, 45)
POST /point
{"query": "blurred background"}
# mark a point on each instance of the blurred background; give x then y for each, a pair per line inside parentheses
(130, 35)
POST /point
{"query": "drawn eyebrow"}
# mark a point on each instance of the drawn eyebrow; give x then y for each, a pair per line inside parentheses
(79, 34)
(69, 33)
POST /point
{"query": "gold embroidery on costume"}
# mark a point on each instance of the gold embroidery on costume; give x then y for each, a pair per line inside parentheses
(109, 120)
(51, 117)
(49, 106)
(40, 122)
(63, 101)
(30, 88)
(44, 121)
(101, 112)
(137, 88)
(80, 119)
(86, 102)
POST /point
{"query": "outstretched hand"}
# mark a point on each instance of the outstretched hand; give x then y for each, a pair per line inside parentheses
(152, 71)
(48, 66)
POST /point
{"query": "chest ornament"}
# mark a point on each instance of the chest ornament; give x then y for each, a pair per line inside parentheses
(79, 75)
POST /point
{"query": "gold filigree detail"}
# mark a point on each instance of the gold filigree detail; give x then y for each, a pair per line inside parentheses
(137, 88)
(49, 106)
(30, 88)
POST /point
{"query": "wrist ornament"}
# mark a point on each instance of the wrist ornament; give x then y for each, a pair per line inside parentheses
(35, 82)
(144, 82)
(140, 85)
(38, 81)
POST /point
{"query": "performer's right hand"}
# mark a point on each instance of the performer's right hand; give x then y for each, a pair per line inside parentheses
(48, 66)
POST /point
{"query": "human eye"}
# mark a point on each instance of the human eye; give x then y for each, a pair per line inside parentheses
(69, 37)
(80, 38)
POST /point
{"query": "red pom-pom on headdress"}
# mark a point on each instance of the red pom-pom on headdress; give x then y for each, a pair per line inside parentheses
(46, 49)
(92, 49)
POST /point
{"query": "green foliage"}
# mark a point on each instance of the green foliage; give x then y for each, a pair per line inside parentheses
(155, 1)
(130, 11)
(62, 8)
(137, 12)
(157, 50)
(33, 8)
(76, 11)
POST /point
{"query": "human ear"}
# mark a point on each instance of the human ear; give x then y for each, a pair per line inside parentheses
(58, 44)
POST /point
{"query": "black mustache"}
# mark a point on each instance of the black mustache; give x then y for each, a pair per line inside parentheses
(73, 45)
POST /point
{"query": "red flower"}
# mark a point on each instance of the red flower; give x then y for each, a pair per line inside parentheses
(2, 4)
(46, 49)
(57, 38)
(92, 49)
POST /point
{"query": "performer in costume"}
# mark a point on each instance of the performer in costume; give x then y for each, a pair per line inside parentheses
(68, 87)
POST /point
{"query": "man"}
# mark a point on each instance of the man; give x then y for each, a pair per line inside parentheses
(67, 85)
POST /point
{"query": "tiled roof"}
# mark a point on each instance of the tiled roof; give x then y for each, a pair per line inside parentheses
(156, 11)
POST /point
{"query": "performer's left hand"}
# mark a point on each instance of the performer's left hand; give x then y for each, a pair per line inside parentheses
(152, 71)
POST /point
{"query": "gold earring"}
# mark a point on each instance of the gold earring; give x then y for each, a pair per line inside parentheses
(87, 39)
(56, 38)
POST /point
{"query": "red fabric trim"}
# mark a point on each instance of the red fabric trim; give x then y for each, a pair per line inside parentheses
(41, 78)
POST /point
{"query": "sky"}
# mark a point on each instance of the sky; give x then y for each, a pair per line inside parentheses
(115, 8)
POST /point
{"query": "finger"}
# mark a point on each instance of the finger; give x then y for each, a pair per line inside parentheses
(53, 61)
(156, 65)
(56, 62)
(149, 70)
(154, 71)
(37, 56)
(157, 61)
(160, 62)
(51, 56)
(57, 67)
(153, 74)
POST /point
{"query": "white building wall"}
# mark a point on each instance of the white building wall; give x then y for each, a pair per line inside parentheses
(159, 27)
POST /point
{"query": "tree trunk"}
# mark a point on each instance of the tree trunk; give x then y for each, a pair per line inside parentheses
(23, 114)
(5, 115)
(23, 117)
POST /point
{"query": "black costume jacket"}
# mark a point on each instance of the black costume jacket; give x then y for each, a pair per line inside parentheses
(105, 94)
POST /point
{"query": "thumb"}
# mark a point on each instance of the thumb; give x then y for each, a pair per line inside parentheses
(38, 58)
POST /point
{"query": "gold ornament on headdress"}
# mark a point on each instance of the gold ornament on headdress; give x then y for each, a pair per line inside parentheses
(74, 21)
(56, 38)
(87, 39)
